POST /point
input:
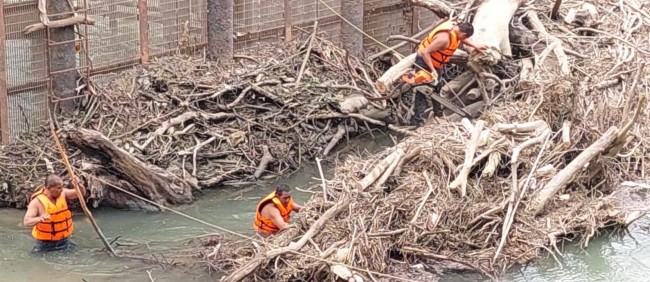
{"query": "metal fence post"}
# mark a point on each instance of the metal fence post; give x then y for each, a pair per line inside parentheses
(288, 20)
(4, 114)
(143, 22)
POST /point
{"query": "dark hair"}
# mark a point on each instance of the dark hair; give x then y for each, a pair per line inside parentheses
(52, 179)
(282, 188)
(466, 28)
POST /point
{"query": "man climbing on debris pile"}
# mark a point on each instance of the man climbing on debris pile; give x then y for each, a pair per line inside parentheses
(272, 213)
(49, 215)
(437, 48)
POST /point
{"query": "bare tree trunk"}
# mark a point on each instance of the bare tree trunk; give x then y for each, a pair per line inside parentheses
(352, 39)
(220, 30)
(62, 56)
(493, 31)
(154, 183)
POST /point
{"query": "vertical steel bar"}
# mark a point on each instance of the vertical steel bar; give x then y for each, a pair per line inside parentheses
(288, 20)
(4, 99)
(143, 18)
(48, 58)
(85, 43)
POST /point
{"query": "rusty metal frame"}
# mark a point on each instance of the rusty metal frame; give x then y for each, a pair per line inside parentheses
(4, 98)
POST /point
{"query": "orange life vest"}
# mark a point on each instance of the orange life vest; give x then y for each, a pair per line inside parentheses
(265, 225)
(440, 57)
(59, 226)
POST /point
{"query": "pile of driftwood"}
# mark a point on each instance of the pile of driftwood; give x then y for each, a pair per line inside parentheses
(540, 165)
(183, 123)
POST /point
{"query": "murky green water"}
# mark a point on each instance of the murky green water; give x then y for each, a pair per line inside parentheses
(612, 258)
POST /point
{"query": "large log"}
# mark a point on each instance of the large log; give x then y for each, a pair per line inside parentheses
(563, 177)
(153, 182)
(493, 31)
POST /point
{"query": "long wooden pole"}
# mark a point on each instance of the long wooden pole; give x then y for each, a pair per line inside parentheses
(75, 184)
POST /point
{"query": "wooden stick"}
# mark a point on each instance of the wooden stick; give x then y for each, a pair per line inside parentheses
(565, 175)
(306, 58)
(515, 194)
(538, 27)
(471, 147)
(377, 171)
(59, 23)
(322, 178)
(75, 184)
(424, 199)
(264, 162)
(390, 169)
(556, 8)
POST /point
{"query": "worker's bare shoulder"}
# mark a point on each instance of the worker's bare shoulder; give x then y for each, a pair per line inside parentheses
(442, 36)
(35, 204)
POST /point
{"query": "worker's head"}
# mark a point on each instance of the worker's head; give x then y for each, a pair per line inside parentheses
(464, 30)
(53, 185)
(283, 192)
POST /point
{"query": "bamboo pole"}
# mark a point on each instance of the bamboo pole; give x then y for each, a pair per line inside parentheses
(75, 184)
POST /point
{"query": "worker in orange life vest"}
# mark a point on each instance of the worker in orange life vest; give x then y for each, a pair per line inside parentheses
(49, 216)
(436, 50)
(272, 213)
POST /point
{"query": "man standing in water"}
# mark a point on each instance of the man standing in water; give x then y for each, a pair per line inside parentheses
(272, 213)
(49, 215)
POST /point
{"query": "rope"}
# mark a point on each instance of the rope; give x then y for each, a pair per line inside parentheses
(451, 17)
(361, 270)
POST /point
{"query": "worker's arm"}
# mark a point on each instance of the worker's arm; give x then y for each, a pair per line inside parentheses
(71, 194)
(32, 216)
(296, 207)
(478, 47)
(440, 42)
(276, 218)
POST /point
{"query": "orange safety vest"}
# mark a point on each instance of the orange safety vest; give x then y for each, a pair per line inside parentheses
(265, 225)
(59, 226)
(441, 57)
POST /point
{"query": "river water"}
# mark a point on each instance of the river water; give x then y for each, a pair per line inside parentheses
(614, 257)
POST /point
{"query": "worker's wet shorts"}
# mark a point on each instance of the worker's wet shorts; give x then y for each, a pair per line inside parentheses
(420, 62)
(48, 246)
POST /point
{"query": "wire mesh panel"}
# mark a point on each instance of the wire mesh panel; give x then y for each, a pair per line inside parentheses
(328, 20)
(26, 54)
(113, 40)
(382, 19)
(26, 65)
(258, 21)
(425, 18)
(27, 110)
(175, 24)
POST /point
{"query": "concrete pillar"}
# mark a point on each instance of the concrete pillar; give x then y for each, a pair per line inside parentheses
(352, 39)
(4, 99)
(220, 30)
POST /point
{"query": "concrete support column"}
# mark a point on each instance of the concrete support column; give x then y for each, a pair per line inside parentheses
(352, 39)
(220, 30)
